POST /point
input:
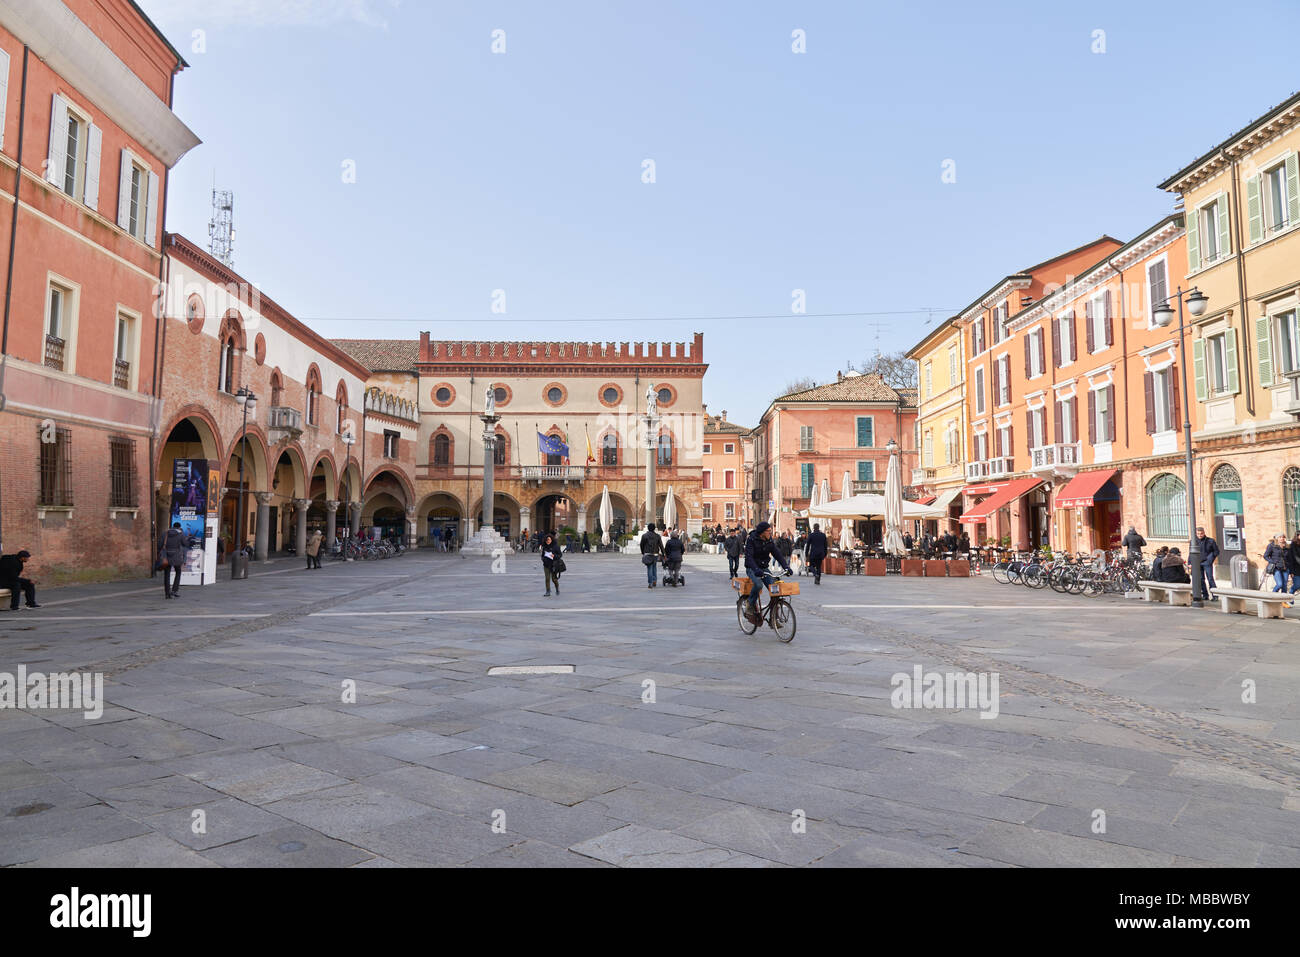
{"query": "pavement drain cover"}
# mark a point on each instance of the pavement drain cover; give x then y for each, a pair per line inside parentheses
(27, 809)
(531, 670)
(288, 847)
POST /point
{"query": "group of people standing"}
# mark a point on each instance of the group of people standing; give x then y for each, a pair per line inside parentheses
(1282, 562)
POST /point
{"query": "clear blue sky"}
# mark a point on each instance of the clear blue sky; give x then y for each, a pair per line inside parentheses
(775, 171)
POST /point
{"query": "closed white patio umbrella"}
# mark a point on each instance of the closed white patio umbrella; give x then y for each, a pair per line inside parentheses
(606, 516)
(670, 510)
(894, 503)
(846, 530)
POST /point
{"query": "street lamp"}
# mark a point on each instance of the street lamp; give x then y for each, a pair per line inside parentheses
(348, 440)
(248, 402)
(1162, 315)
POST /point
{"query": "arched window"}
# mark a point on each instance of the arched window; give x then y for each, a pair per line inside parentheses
(1291, 500)
(226, 375)
(609, 450)
(442, 449)
(313, 395)
(665, 450)
(499, 450)
(1167, 507)
(1226, 479)
(277, 390)
(341, 400)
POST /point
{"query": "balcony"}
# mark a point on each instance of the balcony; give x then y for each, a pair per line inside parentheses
(999, 467)
(1293, 401)
(1050, 457)
(977, 471)
(121, 373)
(284, 423)
(923, 476)
(553, 473)
(54, 348)
(868, 487)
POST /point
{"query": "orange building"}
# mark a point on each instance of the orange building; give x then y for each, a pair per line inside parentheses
(1084, 411)
(722, 485)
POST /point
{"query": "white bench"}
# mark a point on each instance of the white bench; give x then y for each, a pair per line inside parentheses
(1266, 604)
(1175, 593)
(5, 594)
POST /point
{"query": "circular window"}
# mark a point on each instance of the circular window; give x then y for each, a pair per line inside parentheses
(555, 395)
(499, 394)
(665, 396)
(611, 395)
(194, 313)
(259, 348)
(444, 394)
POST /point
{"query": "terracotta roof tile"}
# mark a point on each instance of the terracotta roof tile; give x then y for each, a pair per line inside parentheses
(382, 355)
(869, 387)
(716, 423)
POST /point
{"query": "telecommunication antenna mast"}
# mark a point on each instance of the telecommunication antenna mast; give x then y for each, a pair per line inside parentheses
(221, 227)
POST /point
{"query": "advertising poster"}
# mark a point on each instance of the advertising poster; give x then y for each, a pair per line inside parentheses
(190, 509)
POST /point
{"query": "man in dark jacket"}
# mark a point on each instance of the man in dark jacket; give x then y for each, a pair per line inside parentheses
(11, 577)
(1209, 554)
(652, 545)
(734, 545)
(817, 549)
(171, 552)
(760, 549)
(1134, 543)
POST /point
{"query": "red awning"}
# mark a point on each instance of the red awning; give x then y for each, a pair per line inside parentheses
(1005, 495)
(927, 500)
(1079, 491)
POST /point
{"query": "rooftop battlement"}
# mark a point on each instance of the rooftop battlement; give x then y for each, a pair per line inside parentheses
(443, 352)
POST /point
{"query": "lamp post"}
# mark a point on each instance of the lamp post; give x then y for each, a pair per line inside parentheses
(348, 441)
(1163, 315)
(248, 402)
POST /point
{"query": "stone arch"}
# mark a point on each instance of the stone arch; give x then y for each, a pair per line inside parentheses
(435, 511)
(298, 486)
(350, 476)
(403, 482)
(232, 323)
(624, 511)
(684, 514)
(204, 424)
(504, 502)
(331, 475)
(257, 472)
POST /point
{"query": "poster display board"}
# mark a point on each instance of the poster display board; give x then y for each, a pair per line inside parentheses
(194, 507)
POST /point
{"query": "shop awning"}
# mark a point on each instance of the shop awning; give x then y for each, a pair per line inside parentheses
(1081, 491)
(947, 497)
(926, 500)
(1004, 495)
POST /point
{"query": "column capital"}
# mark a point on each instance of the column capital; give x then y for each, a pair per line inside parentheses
(264, 498)
(332, 506)
(410, 510)
(302, 502)
(582, 509)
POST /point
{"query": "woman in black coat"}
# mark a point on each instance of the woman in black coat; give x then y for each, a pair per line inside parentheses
(550, 552)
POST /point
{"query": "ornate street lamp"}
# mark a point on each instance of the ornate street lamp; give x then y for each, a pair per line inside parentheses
(348, 440)
(1162, 315)
(248, 402)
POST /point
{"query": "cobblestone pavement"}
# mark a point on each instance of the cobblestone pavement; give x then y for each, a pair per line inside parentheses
(1121, 735)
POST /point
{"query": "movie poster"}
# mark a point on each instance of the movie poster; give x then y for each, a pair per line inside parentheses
(190, 508)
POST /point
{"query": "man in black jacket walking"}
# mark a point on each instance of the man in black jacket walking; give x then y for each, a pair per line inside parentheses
(1209, 553)
(652, 545)
(174, 545)
(816, 552)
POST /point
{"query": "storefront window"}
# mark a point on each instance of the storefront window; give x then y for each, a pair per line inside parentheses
(1167, 507)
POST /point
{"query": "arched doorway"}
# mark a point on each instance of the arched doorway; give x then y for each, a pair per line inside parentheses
(386, 515)
(623, 516)
(438, 513)
(288, 484)
(1226, 486)
(554, 512)
(246, 471)
(505, 518)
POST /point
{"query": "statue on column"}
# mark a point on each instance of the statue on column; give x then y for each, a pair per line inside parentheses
(490, 401)
(651, 400)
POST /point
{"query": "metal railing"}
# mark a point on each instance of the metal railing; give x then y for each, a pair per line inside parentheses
(1293, 402)
(552, 473)
(284, 419)
(54, 350)
(1052, 456)
(121, 374)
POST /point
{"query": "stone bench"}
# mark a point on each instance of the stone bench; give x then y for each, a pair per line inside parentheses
(5, 594)
(1175, 593)
(1266, 604)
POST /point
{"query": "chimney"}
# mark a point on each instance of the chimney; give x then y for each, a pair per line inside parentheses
(724, 415)
(839, 376)
(704, 408)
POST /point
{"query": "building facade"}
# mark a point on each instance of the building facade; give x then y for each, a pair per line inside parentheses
(1242, 203)
(87, 136)
(722, 485)
(941, 423)
(825, 432)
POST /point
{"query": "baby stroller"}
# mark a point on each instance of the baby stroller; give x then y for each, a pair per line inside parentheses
(673, 573)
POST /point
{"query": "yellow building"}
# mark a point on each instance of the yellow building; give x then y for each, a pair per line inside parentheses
(1242, 202)
(941, 425)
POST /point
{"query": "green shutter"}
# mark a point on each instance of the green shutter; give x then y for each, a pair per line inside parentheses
(1230, 360)
(807, 470)
(1254, 210)
(1264, 346)
(1292, 189)
(1225, 227)
(865, 430)
(1198, 368)
(1193, 242)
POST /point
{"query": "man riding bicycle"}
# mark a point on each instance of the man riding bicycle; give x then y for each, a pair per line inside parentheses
(760, 549)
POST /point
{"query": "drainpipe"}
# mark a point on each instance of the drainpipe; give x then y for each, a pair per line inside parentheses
(1241, 293)
(1123, 312)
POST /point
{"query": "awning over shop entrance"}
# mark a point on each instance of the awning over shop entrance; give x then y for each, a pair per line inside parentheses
(925, 500)
(1085, 489)
(1003, 495)
(947, 498)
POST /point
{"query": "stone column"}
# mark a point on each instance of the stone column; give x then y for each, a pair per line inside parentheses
(410, 526)
(331, 523)
(651, 423)
(263, 536)
(489, 467)
(525, 519)
(582, 520)
(300, 536)
(356, 519)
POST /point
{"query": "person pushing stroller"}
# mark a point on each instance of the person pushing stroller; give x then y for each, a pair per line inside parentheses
(673, 550)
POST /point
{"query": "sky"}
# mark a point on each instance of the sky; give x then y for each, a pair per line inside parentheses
(392, 174)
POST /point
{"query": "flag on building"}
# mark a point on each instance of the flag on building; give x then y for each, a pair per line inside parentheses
(590, 458)
(552, 445)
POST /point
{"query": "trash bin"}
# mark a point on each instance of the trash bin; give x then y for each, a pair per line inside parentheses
(1241, 572)
(238, 566)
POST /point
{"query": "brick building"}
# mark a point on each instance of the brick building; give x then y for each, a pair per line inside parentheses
(87, 136)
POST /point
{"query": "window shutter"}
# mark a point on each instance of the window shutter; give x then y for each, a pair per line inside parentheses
(1088, 325)
(1264, 346)
(1092, 417)
(1110, 413)
(1225, 223)
(1193, 242)
(997, 371)
(1175, 410)
(1254, 209)
(1074, 419)
(4, 92)
(58, 158)
(1006, 375)
(1149, 386)
(1292, 187)
(124, 192)
(151, 210)
(1029, 428)
(1011, 442)
(1027, 369)
(1042, 352)
(984, 332)
(1110, 319)
(1198, 368)
(95, 143)
(1056, 342)
(1230, 360)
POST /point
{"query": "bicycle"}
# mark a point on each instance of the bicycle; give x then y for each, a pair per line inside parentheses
(778, 612)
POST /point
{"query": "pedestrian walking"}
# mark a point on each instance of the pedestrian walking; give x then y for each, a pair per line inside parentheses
(171, 556)
(586, 543)
(1134, 543)
(550, 555)
(1293, 563)
(733, 545)
(313, 549)
(817, 549)
(11, 577)
(652, 547)
(1209, 552)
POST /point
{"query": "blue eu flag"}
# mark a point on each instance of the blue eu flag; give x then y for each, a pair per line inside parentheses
(551, 445)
